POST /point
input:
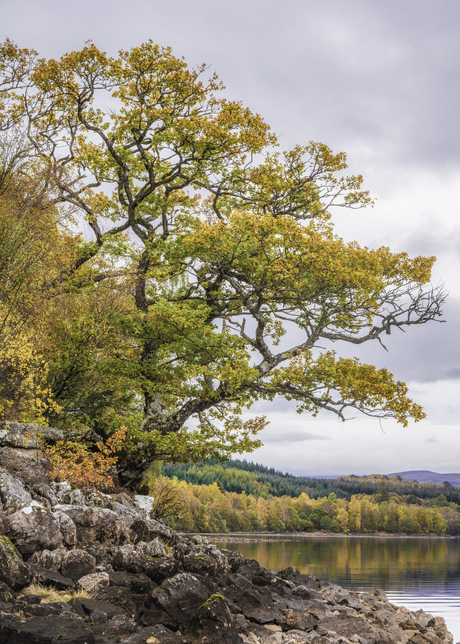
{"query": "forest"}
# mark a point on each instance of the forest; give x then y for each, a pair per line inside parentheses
(239, 496)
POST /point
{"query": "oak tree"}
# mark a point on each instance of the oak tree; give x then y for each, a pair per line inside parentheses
(223, 242)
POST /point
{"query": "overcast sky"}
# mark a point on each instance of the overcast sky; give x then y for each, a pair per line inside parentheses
(378, 80)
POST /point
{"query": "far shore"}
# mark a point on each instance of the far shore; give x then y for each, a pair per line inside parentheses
(269, 536)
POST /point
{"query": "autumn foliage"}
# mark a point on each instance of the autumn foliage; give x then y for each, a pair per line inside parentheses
(82, 467)
(198, 272)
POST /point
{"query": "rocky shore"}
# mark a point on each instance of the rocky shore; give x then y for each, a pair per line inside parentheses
(127, 578)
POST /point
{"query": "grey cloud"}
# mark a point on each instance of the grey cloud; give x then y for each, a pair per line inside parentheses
(383, 75)
(285, 436)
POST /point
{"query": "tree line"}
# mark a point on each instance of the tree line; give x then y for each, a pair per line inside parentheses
(209, 508)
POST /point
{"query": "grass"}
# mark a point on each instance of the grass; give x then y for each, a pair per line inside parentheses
(49, 594)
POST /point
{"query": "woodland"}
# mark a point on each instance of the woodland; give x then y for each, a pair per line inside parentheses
(238, 496)
(165, 264)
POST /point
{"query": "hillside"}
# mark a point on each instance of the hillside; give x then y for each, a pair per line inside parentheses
(425, 476)
(240, 496)
(260, 481)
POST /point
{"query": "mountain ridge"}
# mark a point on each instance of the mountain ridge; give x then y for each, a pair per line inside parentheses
(427, 476)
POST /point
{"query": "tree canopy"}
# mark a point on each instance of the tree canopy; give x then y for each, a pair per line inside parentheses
(203, 272)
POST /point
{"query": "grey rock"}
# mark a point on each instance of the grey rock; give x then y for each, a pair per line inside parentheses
(143, 503)
(180, 597)
(45, 631)
(94, 582)
(50, 577)
(67, 528)
(214, 623)
(129, 559)
(96, 524)
(45, 491)
(27, 435)
(234, 559)
(152, 549)
(13, 571)
(6, 594)
(308, 580)
(50, 559)
(199, 563)
(88, 606)
(31, 529)
(127, 515)
(138, 584)
(77, 564)
(298, 620)
(261, 606)
(99, 617)
(306, 593)
(76, 497)
(318, 609)
(348, 625)
(13, 493)
(148, 529)
(96, 498)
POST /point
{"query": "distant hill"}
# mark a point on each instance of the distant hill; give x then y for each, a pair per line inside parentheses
(258, 480)
(425, 476)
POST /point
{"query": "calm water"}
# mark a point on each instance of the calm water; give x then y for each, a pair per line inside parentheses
(417, 573)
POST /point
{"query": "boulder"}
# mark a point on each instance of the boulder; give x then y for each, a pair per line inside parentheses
(32, 528)
(50, 559)
(77, 564)
(6, 594)
(44, 630)
(234, 558)
(47, 577)
(67, 528)
(298, 620)
(94, 582)
(118, 596)
(96, 524)
(347, 626)
(76, 497)
(85, 606)
(101, 553)
(180, 597)
(259, 605)
(143, 503)
(62, 491)
(45, 491)
(214, 623)
(200, 563)
(306, 593)
(139, 584)
(27, 435)
(13, 493)
(153, 548)
(126, 513)
(13, 571)
(128, 558)
(300, 579)
(148, 529)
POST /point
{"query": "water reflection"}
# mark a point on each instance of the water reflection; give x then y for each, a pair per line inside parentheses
(416, 572)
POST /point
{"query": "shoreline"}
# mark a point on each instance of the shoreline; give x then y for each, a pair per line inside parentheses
(234, 537)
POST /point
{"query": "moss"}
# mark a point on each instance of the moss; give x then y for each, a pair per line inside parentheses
(211, 599)
(8, 544)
